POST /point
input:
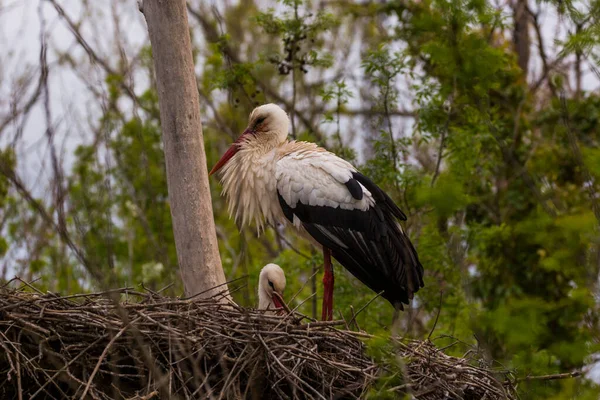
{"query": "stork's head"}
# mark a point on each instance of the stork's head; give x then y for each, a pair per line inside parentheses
(267, 128)
(271, 284)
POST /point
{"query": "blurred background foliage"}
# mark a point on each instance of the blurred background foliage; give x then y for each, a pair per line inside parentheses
(486, 139)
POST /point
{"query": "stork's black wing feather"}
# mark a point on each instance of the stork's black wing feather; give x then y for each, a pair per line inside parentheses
(381, 197)
(370, 243)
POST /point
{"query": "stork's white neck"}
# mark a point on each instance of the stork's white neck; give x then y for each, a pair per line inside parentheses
(249, 184)
(264, 300)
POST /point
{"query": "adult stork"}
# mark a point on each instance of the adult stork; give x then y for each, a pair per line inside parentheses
(271, 283)
(268, 179)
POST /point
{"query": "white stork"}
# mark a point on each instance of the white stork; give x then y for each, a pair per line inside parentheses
(270, 180)
(271, 284)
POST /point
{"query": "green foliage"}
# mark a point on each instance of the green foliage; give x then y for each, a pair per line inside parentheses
(382, 68)
(446, 197)
(584, 39)
(382, 352)
(126, 227)
(526, 271)
(8, 162)
(295, 31)
(339, 94)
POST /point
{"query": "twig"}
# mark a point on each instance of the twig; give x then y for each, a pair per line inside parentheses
(73, 360)
(304, 285)
(566, 375)
(437, 316)
(443, 136)
(363, 307)
(102, 356)
(19, 387)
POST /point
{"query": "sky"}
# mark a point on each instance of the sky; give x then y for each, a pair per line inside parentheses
(73, 108)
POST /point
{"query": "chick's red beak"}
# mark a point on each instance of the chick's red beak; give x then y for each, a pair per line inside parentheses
(235, 146)
(277, 300)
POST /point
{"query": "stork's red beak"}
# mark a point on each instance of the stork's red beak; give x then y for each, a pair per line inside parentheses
(229, 153)
(277, 300)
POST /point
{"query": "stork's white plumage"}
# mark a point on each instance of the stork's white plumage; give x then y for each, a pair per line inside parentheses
(271, 283)
(270, 180)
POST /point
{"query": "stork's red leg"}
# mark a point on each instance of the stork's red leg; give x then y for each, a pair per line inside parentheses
(327, 311)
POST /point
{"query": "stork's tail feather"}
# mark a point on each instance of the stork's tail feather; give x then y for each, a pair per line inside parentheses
(414, 269)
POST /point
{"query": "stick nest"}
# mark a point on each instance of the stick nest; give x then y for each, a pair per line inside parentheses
(148, 346)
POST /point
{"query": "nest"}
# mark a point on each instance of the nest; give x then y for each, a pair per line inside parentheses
(148, 346)
(434, 375)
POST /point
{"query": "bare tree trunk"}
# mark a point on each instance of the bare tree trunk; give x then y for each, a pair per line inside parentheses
(187, 175)
(521, 34)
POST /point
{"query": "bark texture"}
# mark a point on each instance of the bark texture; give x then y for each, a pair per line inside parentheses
(187, 175)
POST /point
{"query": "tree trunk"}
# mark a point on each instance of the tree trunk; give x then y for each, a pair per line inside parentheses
(521, 34)
(187, 175)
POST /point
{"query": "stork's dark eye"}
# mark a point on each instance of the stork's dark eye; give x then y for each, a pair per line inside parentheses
(271, 284)
(260, 121)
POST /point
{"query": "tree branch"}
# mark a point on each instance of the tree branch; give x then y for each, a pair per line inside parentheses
(566, 375)
(9, 173)
(546, 66)
(94, 56)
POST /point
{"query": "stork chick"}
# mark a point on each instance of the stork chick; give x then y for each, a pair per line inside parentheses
(271, 283)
